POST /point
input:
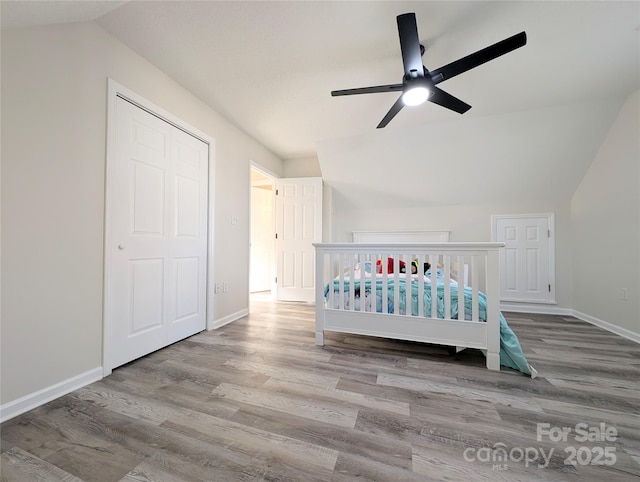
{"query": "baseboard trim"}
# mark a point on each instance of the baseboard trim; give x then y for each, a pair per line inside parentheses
(228, 319)
(605, 325)
(35, 399)
(555, 310)
(535, 308)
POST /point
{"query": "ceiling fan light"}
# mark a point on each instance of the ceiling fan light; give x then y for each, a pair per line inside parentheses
(415, 95)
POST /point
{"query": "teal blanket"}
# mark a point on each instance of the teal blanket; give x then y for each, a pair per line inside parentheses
(511, 354)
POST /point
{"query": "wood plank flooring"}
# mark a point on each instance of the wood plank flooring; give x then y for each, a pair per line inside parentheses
(257, 400)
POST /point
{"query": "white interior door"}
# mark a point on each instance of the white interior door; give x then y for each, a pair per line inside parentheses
(298, 225)
(158, 232)
(526, 261)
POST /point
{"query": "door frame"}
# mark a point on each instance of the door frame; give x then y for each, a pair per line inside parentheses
(116, 90)
(551, 240)
(254, 166)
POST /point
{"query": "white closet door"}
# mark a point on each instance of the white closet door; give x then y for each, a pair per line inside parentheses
(159, 232)
(298, 225)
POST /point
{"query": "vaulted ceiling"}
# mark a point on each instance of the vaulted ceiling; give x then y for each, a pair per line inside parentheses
(269, 67)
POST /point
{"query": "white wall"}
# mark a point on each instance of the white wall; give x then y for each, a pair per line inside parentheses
(54, 97)
(605, 216)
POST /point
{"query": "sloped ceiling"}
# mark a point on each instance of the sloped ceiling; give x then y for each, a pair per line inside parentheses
(270, 66)
(539, 112)
(27, 13)
(517, 157)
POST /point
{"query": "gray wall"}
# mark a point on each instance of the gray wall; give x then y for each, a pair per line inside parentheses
(307, 167)
(54, 98)
(605, 214)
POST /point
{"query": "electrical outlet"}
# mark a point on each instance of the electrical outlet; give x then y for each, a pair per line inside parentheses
(623, 294)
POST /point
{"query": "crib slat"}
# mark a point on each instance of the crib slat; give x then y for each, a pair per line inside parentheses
(420, 271)
(396, 285)
(360, 261)
(407, 285)
(461, 299)
(385, 286)
(341, 282)
(433, 260)
(475, 304)
(332, 274)
(374, 290)
(352, 284)
(329, 281)
(446, 262)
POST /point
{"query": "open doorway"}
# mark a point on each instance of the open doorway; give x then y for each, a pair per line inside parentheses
(262, 238)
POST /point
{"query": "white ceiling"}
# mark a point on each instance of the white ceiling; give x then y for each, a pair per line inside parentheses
(269, 66)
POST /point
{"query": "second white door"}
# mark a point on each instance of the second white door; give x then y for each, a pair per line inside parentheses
(298, 225)
(526, 261)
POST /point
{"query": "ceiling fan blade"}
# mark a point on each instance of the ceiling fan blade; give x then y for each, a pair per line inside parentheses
(395, 108)
(440, 97)
(478, 58)
(368, 90)
(410, 45)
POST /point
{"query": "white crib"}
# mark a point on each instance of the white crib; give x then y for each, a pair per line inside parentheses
(344, 269)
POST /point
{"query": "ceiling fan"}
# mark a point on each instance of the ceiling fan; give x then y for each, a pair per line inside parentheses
(418, 83)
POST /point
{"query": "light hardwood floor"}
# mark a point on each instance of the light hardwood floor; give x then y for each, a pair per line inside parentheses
(257, 400)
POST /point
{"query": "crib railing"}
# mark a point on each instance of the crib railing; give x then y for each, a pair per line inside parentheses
(343, 270)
